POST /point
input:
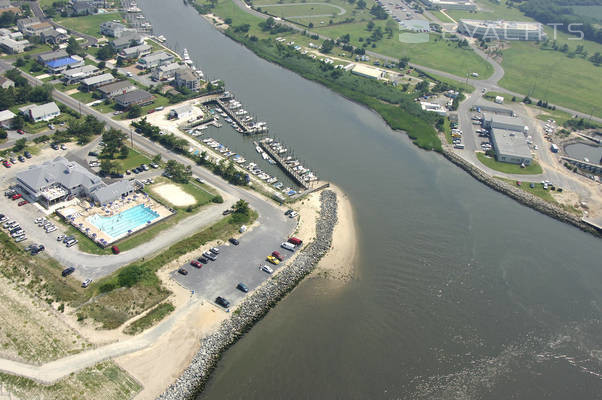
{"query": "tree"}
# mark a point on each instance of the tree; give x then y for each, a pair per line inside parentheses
(134, 112)
(106, 52)
(179, 172)
(18, 122)
(242, 207)
(73, 47)
(3, 134)
(156, 159)
(106, 166)
(113, 142)
(327, 46)
(19, 145)
(370, 25)
(20, 62)
(124, 151)
(361, 4)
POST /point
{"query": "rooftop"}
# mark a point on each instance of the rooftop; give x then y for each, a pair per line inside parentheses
(501, 24)
(58, 171)
(510, 143)
(119, 85)
(94, 80)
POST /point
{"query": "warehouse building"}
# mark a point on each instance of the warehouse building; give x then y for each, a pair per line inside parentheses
(495, 121)
(464, 5)
(501, 30)
(367, 71)
(493, 108)
(510, 147)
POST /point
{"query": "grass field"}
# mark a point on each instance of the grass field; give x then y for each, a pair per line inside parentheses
(89, 24)
(538, 190)
(103, 381)
(151, 318)
(533, 169)
(491, 10)
(134, 159)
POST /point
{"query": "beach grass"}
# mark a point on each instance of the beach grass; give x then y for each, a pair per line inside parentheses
(533, 169)
(150, 319)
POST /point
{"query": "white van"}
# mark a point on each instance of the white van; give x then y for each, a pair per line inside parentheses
(288, 246)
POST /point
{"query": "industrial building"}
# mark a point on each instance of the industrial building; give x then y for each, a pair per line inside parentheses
(433, 107)
(465, 5)
(367, 71)
(494, 121)
(493, 108)
(510, 147)
(501, 30)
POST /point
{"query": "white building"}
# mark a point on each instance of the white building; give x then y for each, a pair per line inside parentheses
(465, 5)
(44, 112)
(156, 59)
(501, 30)
(494, 121)
(114, 29)
(165, 71)
(367, 71)
(510, 147)
(6, 119)
(13, 46)
(99, 80)
(433, 107)
(74, 75)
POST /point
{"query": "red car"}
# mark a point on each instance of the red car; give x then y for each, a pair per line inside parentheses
(16, 196)
(22, 203)
(295, 241)
(20, 131)
(277, 255)
(195, 263)
(6, 164)
(115, 250)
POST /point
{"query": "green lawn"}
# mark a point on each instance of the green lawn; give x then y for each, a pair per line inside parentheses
(491, 11)
(84, 97)
(89, 24)
(151, 318)
(537, 190)
(134, 159)
(441, 17)
(39, 48)
(533, 169)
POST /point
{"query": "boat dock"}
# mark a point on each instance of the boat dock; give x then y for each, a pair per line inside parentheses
(286, 168)
(233, 116)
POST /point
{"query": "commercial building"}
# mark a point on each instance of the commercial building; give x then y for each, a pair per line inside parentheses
(6, 119)
(501, 30)
(494, 121)
(116, 88)
(367, 71)
(136, 51)
(433, 107)
(464, 5)
(185, 77)
(13, 46)
(52, 55)
(99, 80)
(53, 181)
(156, 59)
(493, 108)
(74, 75)
(165, 71)
(136, 97)
(184, 112)
(510, 147)
(44, 112)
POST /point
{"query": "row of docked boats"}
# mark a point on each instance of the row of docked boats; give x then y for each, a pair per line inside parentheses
(224, 151)
(253, 169)
(291, 163)
(239, 116)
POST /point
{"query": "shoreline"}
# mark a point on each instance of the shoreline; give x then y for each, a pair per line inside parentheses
(253, 308)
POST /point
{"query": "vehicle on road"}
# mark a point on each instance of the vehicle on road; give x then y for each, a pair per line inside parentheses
(288, 246)
(242, 287)
(86, 283)
(279, 256)
(20, 131)
(222, 302)
(273, 260)
(235, 242)
(228, 211)
(267, 269)
(182, 271)
(196, 264)
(68, 271)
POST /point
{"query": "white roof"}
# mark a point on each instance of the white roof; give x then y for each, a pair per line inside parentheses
(97, 79)
(6, 115)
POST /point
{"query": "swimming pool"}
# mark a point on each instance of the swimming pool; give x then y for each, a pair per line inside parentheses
(130, 219)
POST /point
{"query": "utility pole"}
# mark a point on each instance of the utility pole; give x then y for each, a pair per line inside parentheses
(132, 138)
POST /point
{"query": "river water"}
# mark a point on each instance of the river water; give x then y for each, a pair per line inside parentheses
(461, 293)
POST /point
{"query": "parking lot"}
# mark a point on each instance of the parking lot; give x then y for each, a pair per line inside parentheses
(399, 10)
(236, 264)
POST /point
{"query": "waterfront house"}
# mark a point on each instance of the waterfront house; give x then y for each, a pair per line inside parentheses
(156, 59)
(185, 77)
(165, 71)
(135, 52)
(128, 39)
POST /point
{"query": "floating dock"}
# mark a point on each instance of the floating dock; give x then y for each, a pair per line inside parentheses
(287, 169)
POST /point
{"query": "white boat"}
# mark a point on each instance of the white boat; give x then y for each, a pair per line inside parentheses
(258, 149)
(265, 156)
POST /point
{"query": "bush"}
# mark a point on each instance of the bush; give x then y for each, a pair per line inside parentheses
(107, 287)
(217, 199)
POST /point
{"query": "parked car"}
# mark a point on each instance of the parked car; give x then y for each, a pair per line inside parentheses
(203, 260)
(21, 158)
(155, 166)
(288, 212)
(86, 283)
(22, 203)
(68, 271)
(182, 271)
(63, 147)
(71, 243)
(93, 154)
(54, 146)
(288, 246)
(235, 242)
(277, 255)
(60, 238)
(16, 196)
(293, 214)
(20, 131)
(214, 250)
(115, 249)
(242, 287)
(20, 238)
(196, 264)
(267, 269)
(222, 301)
(68, 238)
(228, 211)
(273, 260)
(295, 241)
(27, 154)
(209, 255)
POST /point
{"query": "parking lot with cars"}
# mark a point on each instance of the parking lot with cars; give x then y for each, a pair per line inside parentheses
(230, 270)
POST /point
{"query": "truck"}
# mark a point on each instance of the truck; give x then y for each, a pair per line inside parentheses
(554, 148)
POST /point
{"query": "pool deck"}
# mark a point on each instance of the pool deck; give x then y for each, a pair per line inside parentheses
(78, 215)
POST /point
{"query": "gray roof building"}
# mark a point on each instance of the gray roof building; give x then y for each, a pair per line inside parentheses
(112, 192)
(503, 122)
(136, 51)
(116, 88)
(126, 40)
(52, 55)
(99, 80)
(134, 98)
(510, 147)
(76, 74)
(157, 58)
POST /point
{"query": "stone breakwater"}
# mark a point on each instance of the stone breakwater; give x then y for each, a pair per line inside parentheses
(519, 195)
(255, 306)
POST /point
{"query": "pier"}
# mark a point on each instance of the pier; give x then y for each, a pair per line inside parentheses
(287, 169)
(233, 116)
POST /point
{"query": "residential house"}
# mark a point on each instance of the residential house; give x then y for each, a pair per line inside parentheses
(114, 29)
(74, 75)
(96, 81)
(12, 9)
(5, 83)
(126, 40)
(44, 112)
(51, 56)
(156, 59)
(165, 71)
(135, 52)
(54, 37)
(116, 88)
(6, 119)
(82, 7)
(12, 46)
(61, 64)
(136, 97)
(33, 26)
(185, 77)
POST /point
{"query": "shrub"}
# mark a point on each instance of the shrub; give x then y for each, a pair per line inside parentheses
(217, 199)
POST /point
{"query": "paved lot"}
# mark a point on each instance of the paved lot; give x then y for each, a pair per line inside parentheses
(240, 263)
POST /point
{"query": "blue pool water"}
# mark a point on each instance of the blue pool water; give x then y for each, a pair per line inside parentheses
(118, 224)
